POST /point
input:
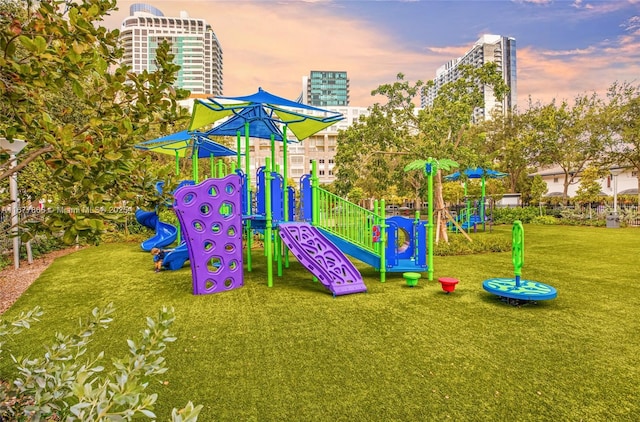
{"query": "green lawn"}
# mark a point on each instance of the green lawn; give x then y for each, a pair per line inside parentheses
(293, 352)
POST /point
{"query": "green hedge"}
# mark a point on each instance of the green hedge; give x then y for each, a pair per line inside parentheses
(509, 215)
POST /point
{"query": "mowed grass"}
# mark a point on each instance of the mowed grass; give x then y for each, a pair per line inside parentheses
(293, 352)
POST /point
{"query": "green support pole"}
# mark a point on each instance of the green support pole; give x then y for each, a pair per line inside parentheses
(315, 207)
(247, 173)
(194, 166)
(268, 241)
(429, 170)
(517, 249)
(468, 206)
(285, 177)
(285, 172)
(238, 154)
(178, 174)
(272, 139)
(315, 214)
(212, 163)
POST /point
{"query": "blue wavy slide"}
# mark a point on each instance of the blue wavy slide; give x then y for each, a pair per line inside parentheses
(165, 235)
(175, 259)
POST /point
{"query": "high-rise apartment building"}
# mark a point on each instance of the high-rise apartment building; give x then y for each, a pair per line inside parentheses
(489, 48)
(326, 89)
(194, 44)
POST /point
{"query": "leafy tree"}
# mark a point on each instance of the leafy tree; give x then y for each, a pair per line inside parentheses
(506, 142)
(374, 153)
(589, 188)
(356, 195)
(65, 92)
(537, 190)
(624, 101)
(453, 192)
(445, 128)
(572, 137)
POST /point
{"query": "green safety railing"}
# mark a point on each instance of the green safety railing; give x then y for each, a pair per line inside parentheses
(347, 220)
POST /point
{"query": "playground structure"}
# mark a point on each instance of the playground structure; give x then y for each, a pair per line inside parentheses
(217, 214)
(471, 217)
(328, 228)
(517, 291)
(340, 228)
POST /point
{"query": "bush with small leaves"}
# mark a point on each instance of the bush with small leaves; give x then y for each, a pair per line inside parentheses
(546, 220)
(65, 385)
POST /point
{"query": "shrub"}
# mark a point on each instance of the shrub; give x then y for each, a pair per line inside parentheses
(60, 386)
(545, 220)
(42, 245)
(509, 215)
(459, 245)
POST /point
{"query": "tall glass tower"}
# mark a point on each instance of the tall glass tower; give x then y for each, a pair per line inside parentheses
(194, 44)
(326, 88)
(489, 48)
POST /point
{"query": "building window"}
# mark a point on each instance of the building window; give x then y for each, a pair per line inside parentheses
(321, 161)
(321, 173)
(555, 180)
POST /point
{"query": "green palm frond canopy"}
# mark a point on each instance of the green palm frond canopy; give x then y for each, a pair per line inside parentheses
(443, 164)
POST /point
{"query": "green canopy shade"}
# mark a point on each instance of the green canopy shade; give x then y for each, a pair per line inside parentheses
(184, 144)
(203, 115)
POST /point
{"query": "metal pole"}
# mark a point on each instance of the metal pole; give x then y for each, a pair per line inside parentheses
(13, 148)
(15, 220)
(615, 194)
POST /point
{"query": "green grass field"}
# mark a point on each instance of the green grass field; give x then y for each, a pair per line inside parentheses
(293, 352)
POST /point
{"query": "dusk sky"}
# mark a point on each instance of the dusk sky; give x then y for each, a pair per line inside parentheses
(564, 48)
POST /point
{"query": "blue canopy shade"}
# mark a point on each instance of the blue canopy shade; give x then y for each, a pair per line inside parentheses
(264, 97)
(260, 125)
(265, 113)
(476, 173)
(185, 143)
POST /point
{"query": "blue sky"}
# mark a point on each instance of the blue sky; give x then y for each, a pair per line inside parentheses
(565, 48)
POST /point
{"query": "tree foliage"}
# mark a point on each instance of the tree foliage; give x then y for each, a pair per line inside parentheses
(589, 187)
(372, 154)
(64, 91)
(570, 136)
(624, 101)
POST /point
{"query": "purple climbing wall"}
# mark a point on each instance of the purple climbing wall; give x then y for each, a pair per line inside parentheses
(210, 215)
(325, 261)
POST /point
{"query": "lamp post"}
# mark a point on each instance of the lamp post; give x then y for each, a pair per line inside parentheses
(13, 148)
(614, 216)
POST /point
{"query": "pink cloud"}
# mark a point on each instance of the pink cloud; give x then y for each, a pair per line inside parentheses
(273, 45)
